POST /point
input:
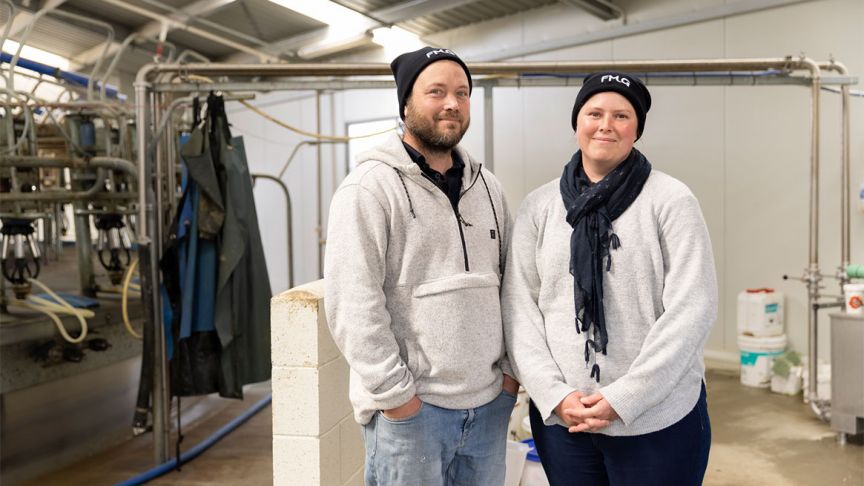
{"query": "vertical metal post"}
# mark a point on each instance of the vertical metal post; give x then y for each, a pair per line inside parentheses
(334, 166)
(488, 128)
(172, 155)
(58, 227)
(845, 187)
(814, 277)
(158, 178)
(161, 397)
(47, 236)
(148, 252)
(845, 238)
(319, 183)
(11, 140)
(9, 123)
(84, 248)
(141, 135)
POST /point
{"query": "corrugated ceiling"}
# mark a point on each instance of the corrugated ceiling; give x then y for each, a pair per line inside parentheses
(470, 13)
(263, 20)
(56, 35)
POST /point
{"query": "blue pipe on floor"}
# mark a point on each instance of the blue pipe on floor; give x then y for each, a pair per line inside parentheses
(200, 447)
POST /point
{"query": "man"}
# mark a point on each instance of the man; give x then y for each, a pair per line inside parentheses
(415, 255)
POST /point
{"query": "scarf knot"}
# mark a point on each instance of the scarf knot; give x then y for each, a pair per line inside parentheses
(591, 209)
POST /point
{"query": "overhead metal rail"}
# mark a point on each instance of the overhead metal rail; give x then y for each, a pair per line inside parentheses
(739, 78)
(741, 72)
(788, 63)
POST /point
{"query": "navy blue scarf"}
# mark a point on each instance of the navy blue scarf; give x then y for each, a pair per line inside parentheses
(591, 208)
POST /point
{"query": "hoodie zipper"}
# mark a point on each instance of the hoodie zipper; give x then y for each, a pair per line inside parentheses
(462, 235)
(457, 215)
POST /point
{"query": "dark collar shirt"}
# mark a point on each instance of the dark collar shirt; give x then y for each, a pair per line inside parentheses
(450, 182)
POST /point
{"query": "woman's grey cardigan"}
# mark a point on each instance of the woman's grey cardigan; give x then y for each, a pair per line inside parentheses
(660, 299)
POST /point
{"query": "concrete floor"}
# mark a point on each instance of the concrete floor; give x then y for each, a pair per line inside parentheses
(244, 457)
(759, 438)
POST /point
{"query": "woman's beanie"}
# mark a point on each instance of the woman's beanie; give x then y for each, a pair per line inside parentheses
(408, 66)
(624, 84)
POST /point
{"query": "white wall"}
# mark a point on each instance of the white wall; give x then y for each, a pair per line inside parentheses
(744, 151)
(268, 148)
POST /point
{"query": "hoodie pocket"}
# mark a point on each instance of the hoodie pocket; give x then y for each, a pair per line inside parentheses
(455, 283)
(455, 324)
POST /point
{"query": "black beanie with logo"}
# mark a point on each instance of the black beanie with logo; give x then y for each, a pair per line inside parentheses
(626, 85)
(408, 66)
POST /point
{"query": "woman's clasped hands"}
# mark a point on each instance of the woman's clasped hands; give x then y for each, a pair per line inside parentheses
(585, 413)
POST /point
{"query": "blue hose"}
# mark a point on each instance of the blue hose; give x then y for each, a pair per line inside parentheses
(68, 76)
(200, 447)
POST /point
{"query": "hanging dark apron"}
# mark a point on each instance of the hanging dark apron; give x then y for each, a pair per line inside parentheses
(221, 290)
(243, 288)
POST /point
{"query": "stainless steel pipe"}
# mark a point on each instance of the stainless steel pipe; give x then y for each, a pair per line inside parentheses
(487, 68)
(110, 163)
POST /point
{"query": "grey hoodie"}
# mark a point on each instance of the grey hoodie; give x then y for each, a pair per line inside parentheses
(412, 293)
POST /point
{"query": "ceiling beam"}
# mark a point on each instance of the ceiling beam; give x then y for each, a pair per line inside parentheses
(316, 41)
(601, 9)
(120, 30)
(179, 19)
(413, 9)
(319, 42)
(24, 16)
(201, 7)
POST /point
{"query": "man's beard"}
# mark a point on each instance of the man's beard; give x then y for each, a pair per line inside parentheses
(425, 131)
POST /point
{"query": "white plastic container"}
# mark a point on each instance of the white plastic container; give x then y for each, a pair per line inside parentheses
(533, 475)
(760, 312)
(790, 385)
(854, 296)
(516, 452)
(757, 356)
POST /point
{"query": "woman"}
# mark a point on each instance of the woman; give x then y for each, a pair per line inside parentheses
(608, 299)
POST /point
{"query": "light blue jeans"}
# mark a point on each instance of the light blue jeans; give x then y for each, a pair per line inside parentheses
(439, 446)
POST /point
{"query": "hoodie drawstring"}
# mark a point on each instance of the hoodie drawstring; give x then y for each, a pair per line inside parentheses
(497, 227)
(491, 203)
(410, 204)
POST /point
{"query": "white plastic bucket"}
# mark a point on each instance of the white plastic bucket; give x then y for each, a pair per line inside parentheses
(760, 312)
(854, 296)
(533, 475)
(757, 356)
(516, 452)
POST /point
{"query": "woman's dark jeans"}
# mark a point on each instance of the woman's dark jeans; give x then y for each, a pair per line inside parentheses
(676, 455)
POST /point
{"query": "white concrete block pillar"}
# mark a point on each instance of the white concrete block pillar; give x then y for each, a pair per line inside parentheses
(315, 438)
